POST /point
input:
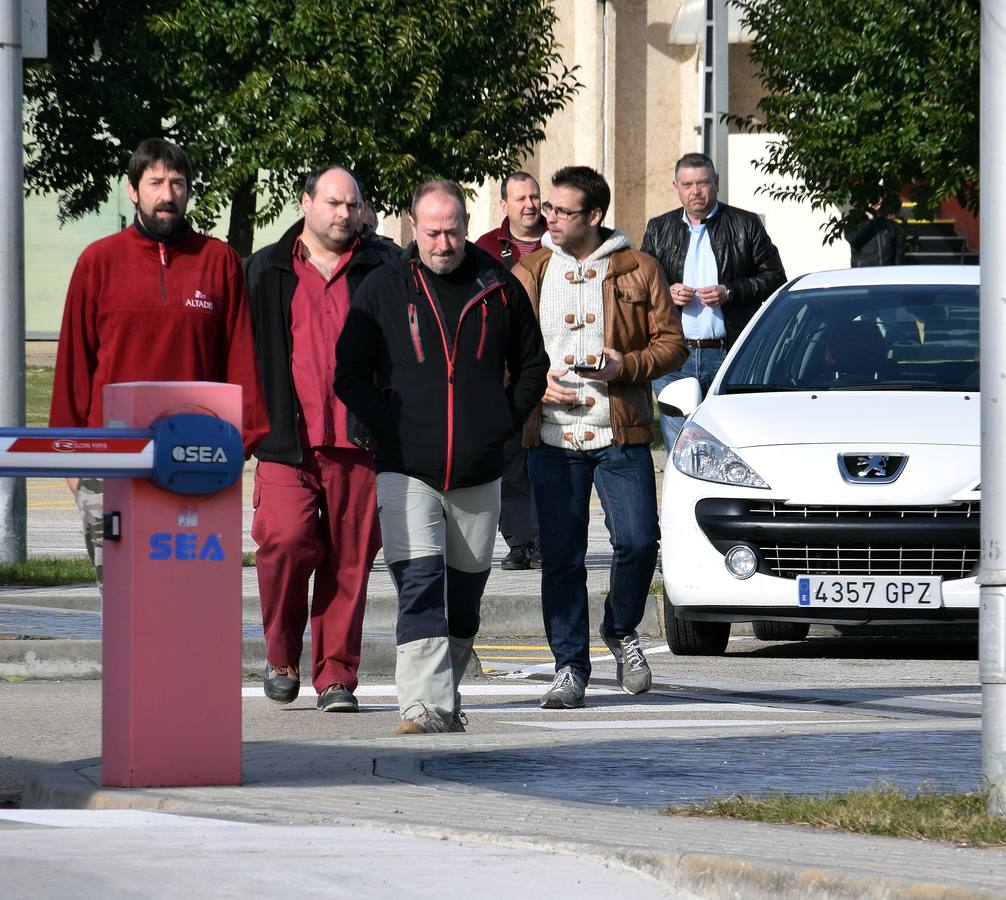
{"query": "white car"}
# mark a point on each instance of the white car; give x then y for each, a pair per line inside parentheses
(831, 475)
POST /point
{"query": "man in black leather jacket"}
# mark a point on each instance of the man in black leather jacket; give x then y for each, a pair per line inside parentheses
(721, 265)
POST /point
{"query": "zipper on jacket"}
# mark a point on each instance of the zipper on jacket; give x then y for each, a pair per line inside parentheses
(482, 336)
(451, 358)
(164, 265)
(417, 342)
(451, 364)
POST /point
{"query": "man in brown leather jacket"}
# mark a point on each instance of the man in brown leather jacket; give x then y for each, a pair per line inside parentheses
(610, 327)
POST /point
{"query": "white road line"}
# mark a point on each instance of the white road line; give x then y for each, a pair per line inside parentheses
(637, 724)
(628, 707)
(467, 690)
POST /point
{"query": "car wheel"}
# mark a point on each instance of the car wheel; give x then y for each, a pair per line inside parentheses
(689, 638)
(780, 631)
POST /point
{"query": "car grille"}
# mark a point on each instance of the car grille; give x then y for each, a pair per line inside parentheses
(849, 540)
(792, 560)
(777, 510)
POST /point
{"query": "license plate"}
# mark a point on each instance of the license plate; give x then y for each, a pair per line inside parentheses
(924, 592)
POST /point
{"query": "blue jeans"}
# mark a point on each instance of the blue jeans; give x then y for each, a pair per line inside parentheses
(702, 363)
(562, 479)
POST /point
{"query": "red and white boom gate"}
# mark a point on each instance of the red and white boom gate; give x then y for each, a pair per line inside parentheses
(171, 617)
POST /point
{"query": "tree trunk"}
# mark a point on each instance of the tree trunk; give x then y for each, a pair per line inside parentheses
(241, 230)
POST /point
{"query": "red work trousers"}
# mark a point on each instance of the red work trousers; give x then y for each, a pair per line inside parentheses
(317, 517)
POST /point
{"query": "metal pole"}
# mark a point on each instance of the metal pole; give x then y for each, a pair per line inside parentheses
(721, 94)
(13, 542)
(992, 622)
(715, 72)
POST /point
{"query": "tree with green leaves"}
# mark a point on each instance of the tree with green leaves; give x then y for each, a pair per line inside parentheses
(260, 91)
(868, 98)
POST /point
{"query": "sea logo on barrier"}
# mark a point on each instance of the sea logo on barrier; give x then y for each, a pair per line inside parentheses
(196, 454)
(186, 545)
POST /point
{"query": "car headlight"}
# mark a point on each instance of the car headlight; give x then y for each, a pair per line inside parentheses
(700, 455)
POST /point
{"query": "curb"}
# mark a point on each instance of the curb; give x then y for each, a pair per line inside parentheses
(700, 873)
(60, 659)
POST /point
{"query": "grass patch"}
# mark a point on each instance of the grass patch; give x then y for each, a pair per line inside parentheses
(47, 571)
(37, 395)
(956, 818)
(248, 559)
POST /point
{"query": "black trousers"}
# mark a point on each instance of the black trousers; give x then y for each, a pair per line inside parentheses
(518, 517)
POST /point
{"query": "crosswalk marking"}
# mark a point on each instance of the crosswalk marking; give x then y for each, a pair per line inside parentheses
(479, 647)
(511, 689)
(636, 724)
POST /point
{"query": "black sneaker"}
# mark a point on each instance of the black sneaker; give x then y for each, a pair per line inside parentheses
(534, 556)
(515, 560)
(281, 684)
(337, 698)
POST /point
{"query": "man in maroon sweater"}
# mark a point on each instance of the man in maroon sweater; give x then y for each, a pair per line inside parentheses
(155, 302)
(519, 233)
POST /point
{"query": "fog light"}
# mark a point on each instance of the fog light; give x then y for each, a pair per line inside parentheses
(741, 561)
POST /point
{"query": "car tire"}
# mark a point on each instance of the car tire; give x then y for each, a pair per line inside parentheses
(690, 638)
(780, 631)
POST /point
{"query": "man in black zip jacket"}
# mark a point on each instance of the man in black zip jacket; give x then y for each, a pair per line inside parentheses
(315, 509)
(421, 363)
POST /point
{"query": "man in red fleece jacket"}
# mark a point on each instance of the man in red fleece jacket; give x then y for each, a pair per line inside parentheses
(155, 302)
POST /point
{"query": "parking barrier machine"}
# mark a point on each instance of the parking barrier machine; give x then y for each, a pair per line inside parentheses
(171, 625)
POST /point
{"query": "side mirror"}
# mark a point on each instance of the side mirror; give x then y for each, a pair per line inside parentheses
(681, 397)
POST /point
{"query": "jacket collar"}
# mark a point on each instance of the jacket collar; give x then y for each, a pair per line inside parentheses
(281, 255)
(487, 270)
(620, 262)
(177, 238)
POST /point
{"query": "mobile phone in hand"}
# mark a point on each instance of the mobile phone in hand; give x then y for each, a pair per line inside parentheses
(588, 364)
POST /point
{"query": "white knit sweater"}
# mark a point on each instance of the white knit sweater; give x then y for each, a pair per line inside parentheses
(571, 314)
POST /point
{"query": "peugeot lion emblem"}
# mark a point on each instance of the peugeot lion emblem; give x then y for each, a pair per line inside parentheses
(871, 468)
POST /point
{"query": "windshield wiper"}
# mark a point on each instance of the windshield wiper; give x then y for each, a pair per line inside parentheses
(760, 388)
(874, 386)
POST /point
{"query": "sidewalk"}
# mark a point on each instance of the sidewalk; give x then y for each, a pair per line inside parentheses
(585, 786)
(406, 786)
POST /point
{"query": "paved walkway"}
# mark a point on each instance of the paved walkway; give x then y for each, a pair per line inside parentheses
(528, 802)
(593, 782)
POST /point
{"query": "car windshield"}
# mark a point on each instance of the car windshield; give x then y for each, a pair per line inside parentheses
(876, 337)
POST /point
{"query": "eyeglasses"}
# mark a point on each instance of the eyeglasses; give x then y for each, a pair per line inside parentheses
(547, 209)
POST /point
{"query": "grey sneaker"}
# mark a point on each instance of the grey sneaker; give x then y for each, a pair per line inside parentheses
(424, 723)
(632, 671)
(338, 698)
(281, 684)
(566, 691)
(458, 721)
